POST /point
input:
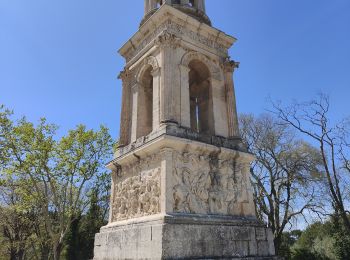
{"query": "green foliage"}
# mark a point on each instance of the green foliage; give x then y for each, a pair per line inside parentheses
(306, 254)
(79, 241)
(341, 239)
(287, 241)
(49, 178)
(327, 241)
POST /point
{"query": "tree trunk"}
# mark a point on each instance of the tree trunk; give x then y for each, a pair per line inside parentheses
(346, 220)
(57, 251)
(20, 254)
(278, 243)
(45, 253)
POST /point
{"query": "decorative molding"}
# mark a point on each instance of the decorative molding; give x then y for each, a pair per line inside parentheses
(148, 61)
(179, 31)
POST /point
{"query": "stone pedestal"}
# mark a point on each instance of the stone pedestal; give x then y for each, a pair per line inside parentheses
(185, 237)
(178, 198)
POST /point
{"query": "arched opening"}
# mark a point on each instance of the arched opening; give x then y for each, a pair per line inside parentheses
(201, 104)
(145, 104)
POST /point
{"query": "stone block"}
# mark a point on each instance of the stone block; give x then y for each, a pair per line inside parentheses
(185, 237)
(263, 248)
(260, 233)
(253, 247)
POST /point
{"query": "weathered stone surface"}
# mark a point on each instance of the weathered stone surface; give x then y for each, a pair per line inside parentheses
(181, 176)
(182, 237)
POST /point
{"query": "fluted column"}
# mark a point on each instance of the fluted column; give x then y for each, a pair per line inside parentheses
(124, 136)
(232, 115)
(185, 96)
(134, 126)
(156, 98)
(200, 5)
(167, 43)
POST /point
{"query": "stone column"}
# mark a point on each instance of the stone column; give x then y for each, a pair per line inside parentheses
(248, 206)
(152, 4)
(200, 5)
(167, 43)
(124, 137)
(156, 91)
(134, 125)
(166, 197)
(219, 107)
(146, 10)
(229, 68)
(113, 183)
(185, 96)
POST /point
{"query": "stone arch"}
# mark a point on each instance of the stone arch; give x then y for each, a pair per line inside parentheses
(147, 93)
(148, 61)
(198, 85)
(215, 71)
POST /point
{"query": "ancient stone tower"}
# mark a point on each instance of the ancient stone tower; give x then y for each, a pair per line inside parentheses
(180, 177)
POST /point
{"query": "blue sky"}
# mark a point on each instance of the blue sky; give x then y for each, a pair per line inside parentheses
(58, 59)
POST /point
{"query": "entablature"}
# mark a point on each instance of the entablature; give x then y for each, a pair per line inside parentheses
(182, 26)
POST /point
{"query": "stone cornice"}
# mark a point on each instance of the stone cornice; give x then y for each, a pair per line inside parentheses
(174, 22)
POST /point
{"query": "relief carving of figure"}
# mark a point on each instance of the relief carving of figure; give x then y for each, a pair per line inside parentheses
(137, 196)
(205, 186)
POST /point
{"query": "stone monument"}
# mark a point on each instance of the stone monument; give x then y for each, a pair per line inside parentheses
(180, 177)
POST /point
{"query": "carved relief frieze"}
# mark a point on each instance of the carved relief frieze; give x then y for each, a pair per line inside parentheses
(176, 30)
(137, 190)
(207, 185)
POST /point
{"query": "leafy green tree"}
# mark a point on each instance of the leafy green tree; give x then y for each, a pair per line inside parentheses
(55, 174)
(341, 238)
(323, 241)
(72, 241)
(80, 239)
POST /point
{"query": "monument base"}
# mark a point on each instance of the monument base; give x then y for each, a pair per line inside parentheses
(180, 236)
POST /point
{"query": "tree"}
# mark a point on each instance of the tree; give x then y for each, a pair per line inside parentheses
(15, 223)
(312, 120)
(80, 239)
(284, 169)
(55, 175)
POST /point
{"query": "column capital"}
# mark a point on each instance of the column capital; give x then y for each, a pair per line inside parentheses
(135, 87)
(184, 68)
(125, 74)
(230, 65)
(156, 72)
(167, 39)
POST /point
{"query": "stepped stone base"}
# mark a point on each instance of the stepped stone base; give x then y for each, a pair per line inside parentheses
(185, 237)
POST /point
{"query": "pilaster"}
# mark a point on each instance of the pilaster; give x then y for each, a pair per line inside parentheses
(135, 96)
(156, 98)
(219, 109)
(185, 96)
(124, 136)
(166, 203)
(233, 128)
(167, 43)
